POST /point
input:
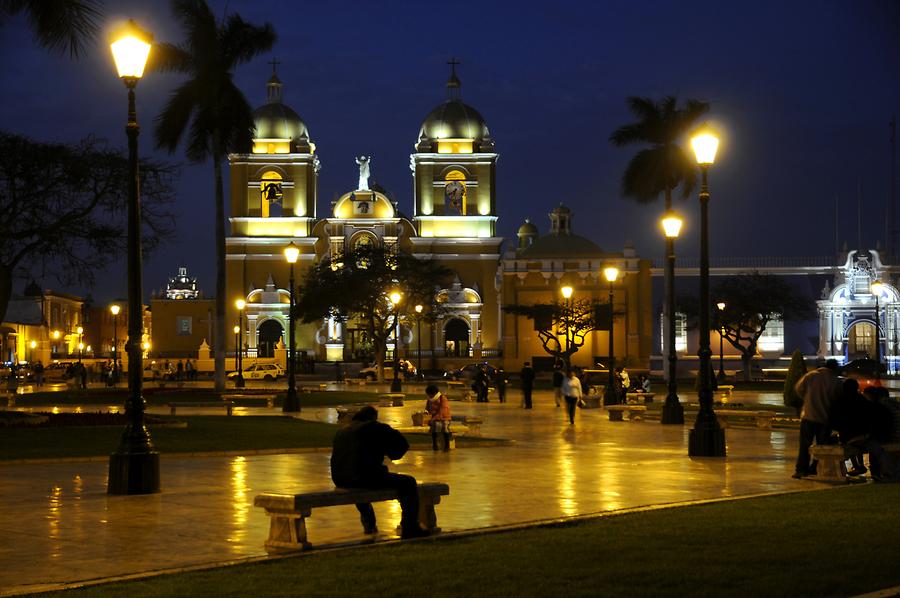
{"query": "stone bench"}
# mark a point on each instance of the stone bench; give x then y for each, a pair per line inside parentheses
(763, 418)
(356, 381)
(288, 512)
(227, 404)
(310, 388)
(616, 412)
(345, 414)
(639, 397)
(471, 422)
(832, 467)
(269, 399)
(391, 399)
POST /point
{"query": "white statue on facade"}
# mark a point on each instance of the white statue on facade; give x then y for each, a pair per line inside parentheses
(363, 162)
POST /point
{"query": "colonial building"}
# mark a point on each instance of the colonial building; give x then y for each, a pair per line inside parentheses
(182, 318)
(42, 325)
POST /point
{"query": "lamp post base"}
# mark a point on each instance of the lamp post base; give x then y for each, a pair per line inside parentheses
(291, 401)
(707, 439)
(239, 382)
(133, 473)
(672, 411)
(396, 385)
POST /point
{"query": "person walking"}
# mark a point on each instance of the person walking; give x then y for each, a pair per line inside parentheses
(527, 375)
(481, 385)
(557, 383)
(357, 456)
(39, 373)
(818, 389)
(438, 407)
(571, 390)
(500, 384)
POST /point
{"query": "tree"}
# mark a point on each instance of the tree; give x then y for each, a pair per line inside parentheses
(63, 209)
(751, 301)
(563, 328)
(796, 370)
(663, 166)
(58, 25)
(357, 284)
(209, 112)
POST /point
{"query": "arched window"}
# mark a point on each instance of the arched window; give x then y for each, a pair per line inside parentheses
(271, 194)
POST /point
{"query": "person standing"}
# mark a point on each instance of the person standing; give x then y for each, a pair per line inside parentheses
(571, 390)
(500, 384)
(818, 389)
(39, 373)
(357, 456)
(481, 385)
(557, 383)
(527, 375)
(438, 407)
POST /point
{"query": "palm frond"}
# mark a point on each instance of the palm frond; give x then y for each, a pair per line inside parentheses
(242, 42)
(644, 178)
(61, 26)
(175, 116)
(169, 58)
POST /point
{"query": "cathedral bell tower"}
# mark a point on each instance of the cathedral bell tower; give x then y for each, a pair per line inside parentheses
(454, 169)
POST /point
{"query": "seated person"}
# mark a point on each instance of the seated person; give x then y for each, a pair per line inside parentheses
(357, 459)
(848, 419)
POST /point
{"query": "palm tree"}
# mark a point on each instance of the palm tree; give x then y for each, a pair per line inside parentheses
(58, 25)
(209, 111)
(663, 166)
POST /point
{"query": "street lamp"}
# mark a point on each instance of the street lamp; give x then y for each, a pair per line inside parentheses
(80, 332)
(673, 412)
(419, 309)
(115, 309)
(567, 295)
(611, 274)
(877, 289)
(239, 379)
(721, 306)
(291, 401)
(134, 467)
(396, 385)
(33, 346)
(707, 438)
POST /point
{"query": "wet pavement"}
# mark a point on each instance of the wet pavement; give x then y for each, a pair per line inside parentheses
(59, 525)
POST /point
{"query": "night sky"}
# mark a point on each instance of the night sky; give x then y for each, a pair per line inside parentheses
(802, 92)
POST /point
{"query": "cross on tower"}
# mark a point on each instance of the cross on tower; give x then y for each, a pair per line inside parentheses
(274, 62)
(453, 62)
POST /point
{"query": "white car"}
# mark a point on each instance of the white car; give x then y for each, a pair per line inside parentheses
(261, 371)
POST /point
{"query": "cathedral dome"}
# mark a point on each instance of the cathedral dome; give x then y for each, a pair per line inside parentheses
(454, 120)
(275, 120)
(528, 228)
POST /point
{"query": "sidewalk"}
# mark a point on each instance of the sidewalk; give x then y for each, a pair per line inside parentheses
(60, 526)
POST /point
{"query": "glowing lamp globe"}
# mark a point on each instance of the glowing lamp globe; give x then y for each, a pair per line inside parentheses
(721, 305)
(611, 273)
(418, 309)
(877, 288)
(291, 253)
(32, 344)
(705, 146)
(240, 304)
(130, 47)
(237, 329)
(395, 297)
(566, 292)
(671, 224)
(115, 309)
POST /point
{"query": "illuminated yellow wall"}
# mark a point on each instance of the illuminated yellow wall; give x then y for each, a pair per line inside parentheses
(455, 226)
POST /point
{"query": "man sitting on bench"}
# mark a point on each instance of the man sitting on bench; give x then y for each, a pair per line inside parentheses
(357, 459)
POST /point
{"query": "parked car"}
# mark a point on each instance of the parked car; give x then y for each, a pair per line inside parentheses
(867, 371)
(58, 370)
(467, 372)
(261, 371)
(23, 373)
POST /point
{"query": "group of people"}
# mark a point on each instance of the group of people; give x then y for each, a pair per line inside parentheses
(864, 421)
(481, 384)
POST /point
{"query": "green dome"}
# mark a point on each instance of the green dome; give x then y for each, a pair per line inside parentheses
(527, 229)
(274, 120)
(454, 120)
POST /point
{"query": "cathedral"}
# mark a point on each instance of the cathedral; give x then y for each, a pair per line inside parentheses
(452, 218)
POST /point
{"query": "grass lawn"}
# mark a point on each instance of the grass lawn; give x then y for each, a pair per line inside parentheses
(204, 433)
(831, 543)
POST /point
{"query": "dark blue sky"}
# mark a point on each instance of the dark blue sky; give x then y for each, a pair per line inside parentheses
(803, 93)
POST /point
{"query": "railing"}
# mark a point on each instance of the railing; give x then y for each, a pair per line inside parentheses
(751, 263)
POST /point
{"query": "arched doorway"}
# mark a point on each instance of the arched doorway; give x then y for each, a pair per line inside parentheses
(269, 332)
(456, 338)
(861, 340)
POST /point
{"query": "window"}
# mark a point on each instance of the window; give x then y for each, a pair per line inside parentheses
(184, 325)
(680, 332)
(772, 338)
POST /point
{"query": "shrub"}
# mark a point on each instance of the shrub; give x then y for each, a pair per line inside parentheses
(796, 371)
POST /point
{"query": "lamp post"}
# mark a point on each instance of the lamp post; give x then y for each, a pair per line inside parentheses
(32, 345)
(239, 379)
(115, 309)
(419, 309)
(567, 295)
(134, 467)
(877, 288)
(673, 412)
(721, 306)
(80, 332)
(611, 274)
(396, 385)
(707, 438)
(291, 401)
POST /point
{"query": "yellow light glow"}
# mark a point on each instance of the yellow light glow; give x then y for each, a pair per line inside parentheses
(115, 309)
(455, 146)
(88, 348)
(291, 253)
(671, 224)
(271, 146)
(705, 146)
(395, 297)
(79, 330)
(566, 292)
(130, 48)
(418, 309)
(32, 344)
(146, 346)
(877, 288)
(721, 305)
(237, 329)
(611, 273)
(56, 334)
(80, 346)
(240, 304)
